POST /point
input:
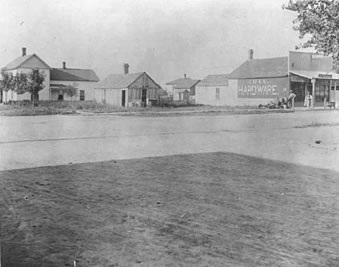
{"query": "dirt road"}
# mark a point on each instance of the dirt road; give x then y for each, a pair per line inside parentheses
(199, 209)
(308, 138)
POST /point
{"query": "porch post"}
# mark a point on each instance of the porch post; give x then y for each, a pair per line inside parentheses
(335, 94)
(313, 92)
(329, 93)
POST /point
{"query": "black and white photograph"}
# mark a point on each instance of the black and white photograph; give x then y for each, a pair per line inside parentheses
(177, 133)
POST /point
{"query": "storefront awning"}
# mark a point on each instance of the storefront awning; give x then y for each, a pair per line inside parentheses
(316, 74)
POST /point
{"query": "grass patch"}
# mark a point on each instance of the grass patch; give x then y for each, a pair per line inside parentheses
(69, 107)
(214, 209)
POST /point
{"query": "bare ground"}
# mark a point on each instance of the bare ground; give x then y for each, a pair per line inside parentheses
(213, 209)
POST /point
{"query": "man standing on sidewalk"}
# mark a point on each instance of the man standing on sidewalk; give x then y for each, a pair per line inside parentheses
(290, 99)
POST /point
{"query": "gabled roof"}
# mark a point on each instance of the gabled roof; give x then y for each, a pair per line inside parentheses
(116, 81)
(215, 80)
(73, 75)
(183, 83)
(261, 68)
(19, 62)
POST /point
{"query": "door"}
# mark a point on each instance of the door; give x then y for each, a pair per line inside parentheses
(123, 98)
(298, 89)
(144, 96)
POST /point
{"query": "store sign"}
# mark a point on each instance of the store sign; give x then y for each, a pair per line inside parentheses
(263, 88)
(298, 79)
(325, 76)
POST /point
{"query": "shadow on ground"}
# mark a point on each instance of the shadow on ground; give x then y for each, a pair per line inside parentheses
(214, 209)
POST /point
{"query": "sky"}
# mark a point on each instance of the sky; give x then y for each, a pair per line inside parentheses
(165, 38)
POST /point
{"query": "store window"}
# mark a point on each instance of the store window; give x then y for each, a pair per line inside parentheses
(322, 90)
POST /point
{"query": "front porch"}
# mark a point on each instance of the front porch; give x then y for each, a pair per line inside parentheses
(61, 92)
(324, 89)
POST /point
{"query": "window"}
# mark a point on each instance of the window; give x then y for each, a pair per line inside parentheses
(82, 95)
(322, 91)
(217, 93)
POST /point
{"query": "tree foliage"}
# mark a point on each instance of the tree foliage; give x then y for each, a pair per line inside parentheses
(318, 20)
(72, 89)
(23, 82)
(7, 81)
(35, 84)
(20, 83)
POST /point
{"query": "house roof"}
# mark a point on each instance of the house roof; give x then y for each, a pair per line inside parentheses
(19, 61)
(183, 83)
(73, 75)
(215, 79)
(261, 68)
(116, 81)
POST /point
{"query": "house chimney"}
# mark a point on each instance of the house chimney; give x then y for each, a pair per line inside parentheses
(64, 64)
(24, 51)
(185, 75)
(250, 54)
(126, 66)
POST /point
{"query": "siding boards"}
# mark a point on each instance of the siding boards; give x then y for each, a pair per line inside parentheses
(143, 82)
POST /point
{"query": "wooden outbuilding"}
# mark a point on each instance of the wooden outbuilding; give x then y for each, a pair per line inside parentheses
(128, 89)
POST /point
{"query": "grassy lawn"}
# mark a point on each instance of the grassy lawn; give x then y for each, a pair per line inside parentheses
(68, 107)
(214, 209)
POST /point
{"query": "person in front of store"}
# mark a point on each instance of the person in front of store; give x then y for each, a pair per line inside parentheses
(308, 100)
(290, 99)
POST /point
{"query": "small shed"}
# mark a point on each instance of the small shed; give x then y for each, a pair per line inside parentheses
(128, 89)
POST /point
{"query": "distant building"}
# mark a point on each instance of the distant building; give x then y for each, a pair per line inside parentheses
(313, 73)
(213, 90)
(57, 80)
(128, 89)
(183, 89)
(260, 81)
(85, 80)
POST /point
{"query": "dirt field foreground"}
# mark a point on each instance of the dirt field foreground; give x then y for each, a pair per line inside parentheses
(212, 209)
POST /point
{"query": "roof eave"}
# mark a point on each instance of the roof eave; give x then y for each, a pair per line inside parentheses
(259, 77)
(133, 81)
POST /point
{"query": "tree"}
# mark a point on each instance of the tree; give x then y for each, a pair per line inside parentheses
(23, 82)
(318, 20)
(35, 84)
(6, 82)
(72, 90)
(20, 83)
